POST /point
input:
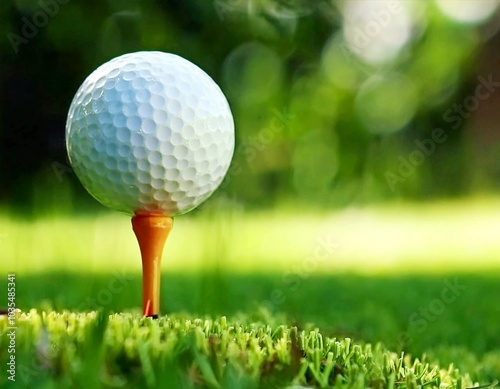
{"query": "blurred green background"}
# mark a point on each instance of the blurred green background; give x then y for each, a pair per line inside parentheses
(335, 103)
(370, 125)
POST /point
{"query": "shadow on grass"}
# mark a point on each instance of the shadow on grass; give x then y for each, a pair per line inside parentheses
(414, 313)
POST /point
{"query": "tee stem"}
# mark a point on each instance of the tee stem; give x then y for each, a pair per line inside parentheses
(151, 231)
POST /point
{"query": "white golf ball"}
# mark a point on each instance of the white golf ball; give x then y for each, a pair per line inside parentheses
(150, 132)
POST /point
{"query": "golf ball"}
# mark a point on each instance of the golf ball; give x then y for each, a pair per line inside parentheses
(150, 132)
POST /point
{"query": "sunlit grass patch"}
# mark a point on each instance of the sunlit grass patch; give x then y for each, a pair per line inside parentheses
(442, 237)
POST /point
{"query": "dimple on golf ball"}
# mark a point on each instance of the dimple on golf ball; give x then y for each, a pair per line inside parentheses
(150, 132)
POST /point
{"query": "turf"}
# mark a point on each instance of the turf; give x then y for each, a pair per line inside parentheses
(124, 350)
(247, 303)
(196, 348)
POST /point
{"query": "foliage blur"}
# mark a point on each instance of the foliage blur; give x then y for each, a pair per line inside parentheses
(334, 102)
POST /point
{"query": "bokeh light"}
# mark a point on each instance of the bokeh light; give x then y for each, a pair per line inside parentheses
(341, 66)
(351, 71)
(315, 164)
(377, 30)
(248, 65)
(386, 104)
(468, 11)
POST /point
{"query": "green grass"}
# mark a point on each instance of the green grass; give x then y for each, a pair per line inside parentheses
(250, 302)
(125, 350)
(366, 309)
